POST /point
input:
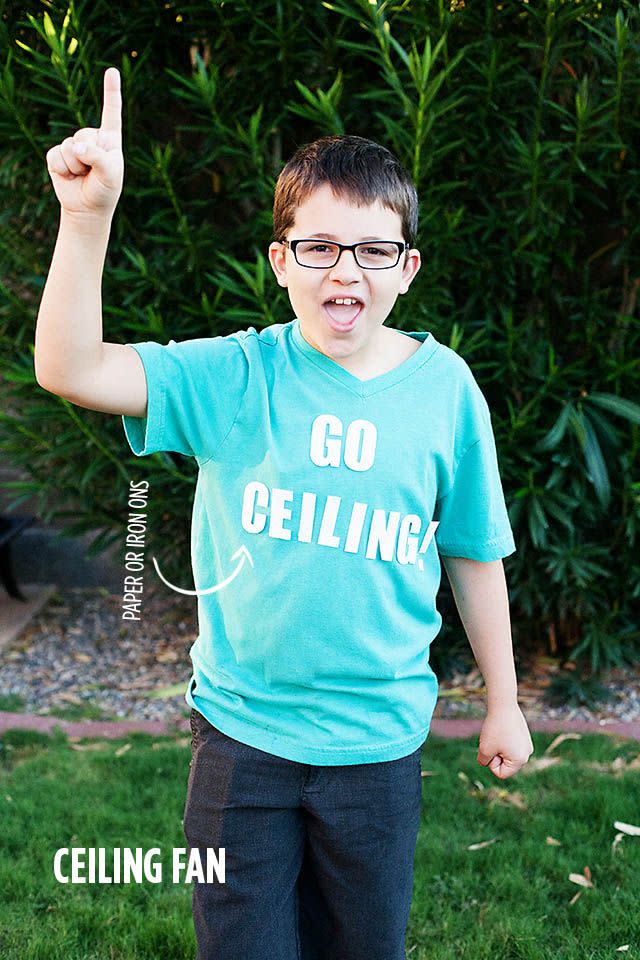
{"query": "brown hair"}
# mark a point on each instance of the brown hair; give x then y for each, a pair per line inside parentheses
(359, 170)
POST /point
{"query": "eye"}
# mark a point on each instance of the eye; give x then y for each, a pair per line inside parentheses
(320, 246)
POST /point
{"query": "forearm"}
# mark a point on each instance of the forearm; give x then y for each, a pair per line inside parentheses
(480, 593)
(68, 339)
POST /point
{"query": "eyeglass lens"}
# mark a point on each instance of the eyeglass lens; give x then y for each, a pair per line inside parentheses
(316, 253)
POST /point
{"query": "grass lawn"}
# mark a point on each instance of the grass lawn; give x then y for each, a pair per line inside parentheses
(509, 898)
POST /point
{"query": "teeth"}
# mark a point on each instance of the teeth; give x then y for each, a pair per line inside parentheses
(347, 300)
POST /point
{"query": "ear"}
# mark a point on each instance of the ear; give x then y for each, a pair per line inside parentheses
(411, 267)
(278, 261)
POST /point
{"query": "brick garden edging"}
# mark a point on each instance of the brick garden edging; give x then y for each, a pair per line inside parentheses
(449, 728)
(109, 729)
(467, 728)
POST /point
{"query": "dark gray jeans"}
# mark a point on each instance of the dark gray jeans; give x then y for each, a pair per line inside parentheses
(319, 859)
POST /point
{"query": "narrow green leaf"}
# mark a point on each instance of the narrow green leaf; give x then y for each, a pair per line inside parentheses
(619, 405)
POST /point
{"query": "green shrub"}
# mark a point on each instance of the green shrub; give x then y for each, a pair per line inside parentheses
(519, 122)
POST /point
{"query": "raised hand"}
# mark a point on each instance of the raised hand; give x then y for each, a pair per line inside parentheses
(89, 184)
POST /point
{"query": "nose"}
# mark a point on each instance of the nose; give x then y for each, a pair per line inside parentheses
(346, 266)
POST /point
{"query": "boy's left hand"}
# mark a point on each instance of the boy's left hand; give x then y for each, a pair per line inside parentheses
(505, 742)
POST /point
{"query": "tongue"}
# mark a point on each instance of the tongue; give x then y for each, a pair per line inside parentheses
(341, 312)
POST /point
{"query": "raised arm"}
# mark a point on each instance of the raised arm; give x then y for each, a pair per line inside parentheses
(71, 358)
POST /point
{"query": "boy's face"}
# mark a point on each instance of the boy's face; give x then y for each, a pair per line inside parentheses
(310, 288)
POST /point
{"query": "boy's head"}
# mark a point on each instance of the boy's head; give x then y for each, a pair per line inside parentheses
(354, 191)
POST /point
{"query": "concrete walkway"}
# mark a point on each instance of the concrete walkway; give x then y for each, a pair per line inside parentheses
(460, 729)
(15, 615)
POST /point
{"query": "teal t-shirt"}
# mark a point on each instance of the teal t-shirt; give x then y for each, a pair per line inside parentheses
(331, 487)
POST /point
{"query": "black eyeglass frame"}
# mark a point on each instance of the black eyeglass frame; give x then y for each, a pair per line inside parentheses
(292, 244)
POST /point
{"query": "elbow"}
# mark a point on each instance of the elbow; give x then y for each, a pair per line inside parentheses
(47, 385)
(41, 380)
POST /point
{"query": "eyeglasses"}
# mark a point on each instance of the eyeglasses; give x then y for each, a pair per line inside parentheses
(321, 254)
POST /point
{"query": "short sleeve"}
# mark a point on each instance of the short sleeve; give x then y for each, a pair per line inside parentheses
(472, 515)
(194, 392)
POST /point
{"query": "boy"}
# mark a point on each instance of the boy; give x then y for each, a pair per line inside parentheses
(346, 458)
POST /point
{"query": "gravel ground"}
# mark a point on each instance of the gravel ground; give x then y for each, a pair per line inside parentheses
(78, 658)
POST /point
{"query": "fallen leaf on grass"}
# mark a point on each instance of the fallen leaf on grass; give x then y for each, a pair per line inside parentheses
(560, 739)
(82, 747)
(627, 828)
(617, 839)
(540, 763)
(552, 842)
(619, 765)
(180, 742)
(122, 749)
(582, 879)
(501, 795)
(625, 946)
(483, 843)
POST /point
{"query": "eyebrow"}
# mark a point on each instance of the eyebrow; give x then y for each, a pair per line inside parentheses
(331, 236)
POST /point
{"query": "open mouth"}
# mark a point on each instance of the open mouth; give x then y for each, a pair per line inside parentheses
(342, 312)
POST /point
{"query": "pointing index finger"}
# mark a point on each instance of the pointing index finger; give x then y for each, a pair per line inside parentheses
(111, 121)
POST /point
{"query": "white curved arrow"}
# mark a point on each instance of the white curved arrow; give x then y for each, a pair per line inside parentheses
(243, 553)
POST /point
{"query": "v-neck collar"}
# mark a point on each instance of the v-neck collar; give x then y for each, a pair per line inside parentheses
(364, 388)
